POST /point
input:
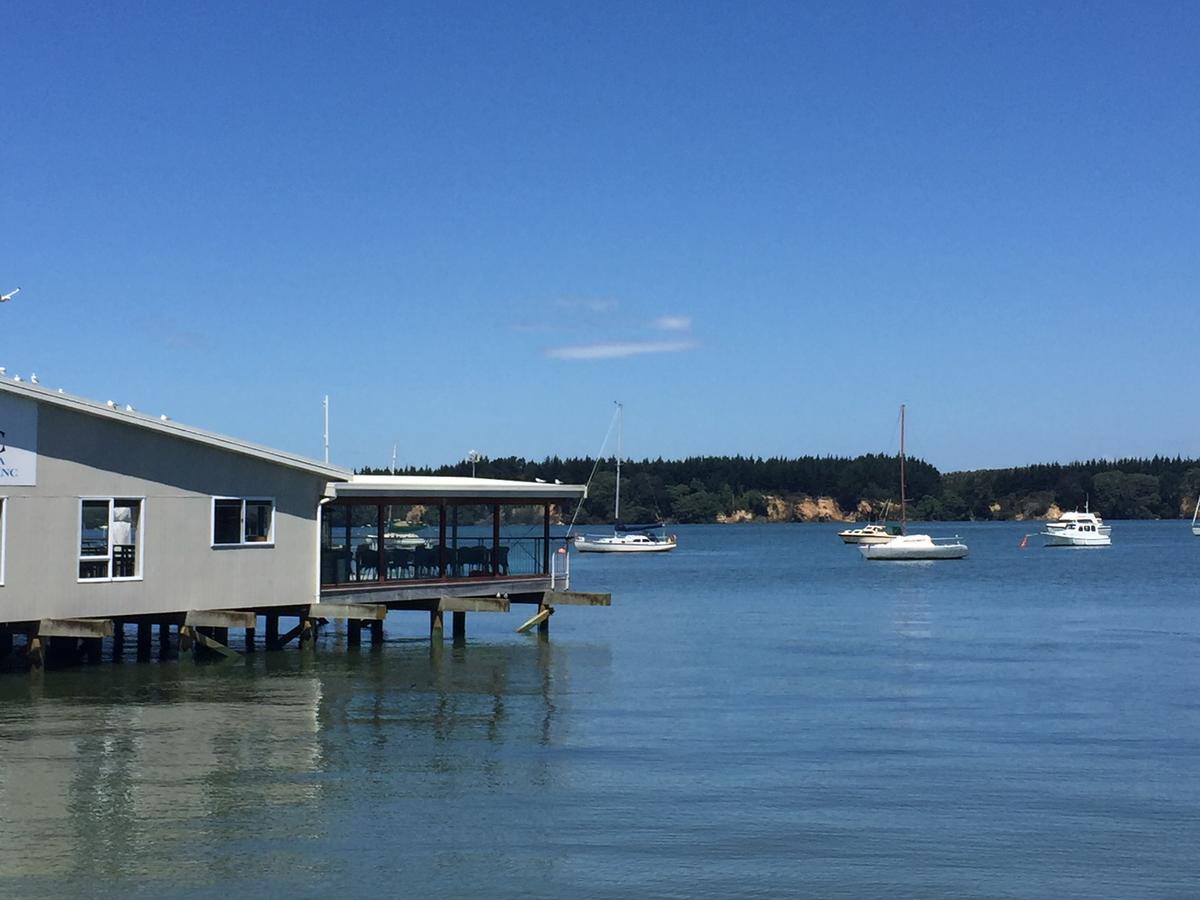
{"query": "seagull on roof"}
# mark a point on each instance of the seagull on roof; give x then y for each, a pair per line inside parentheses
(4, 298)
(540, 480)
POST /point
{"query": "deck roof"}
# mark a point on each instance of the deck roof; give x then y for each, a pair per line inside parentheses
(427, 487)
(161, 425)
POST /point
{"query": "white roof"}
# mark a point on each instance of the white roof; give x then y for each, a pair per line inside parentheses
(434, 486)
(154, 423)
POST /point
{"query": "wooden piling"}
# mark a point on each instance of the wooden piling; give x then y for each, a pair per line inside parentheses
(377, 632)
(6, 643)
(459, 626)
(250, 637)
(164, 640)
(92, 648)
(118, 642)
(35, 654)
(144, 636)
(306, 633)
(272, 631)
(353, 632)
(436, 625)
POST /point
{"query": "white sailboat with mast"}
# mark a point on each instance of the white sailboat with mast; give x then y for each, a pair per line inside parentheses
(907, 546)
(625, 538)
(1195, 526)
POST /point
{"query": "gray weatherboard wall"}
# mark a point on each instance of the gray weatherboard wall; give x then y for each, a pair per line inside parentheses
(82, 455)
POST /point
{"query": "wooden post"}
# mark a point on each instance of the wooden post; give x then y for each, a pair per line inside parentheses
(185, 639)
(495, 540)
(272, 631)
(354, 632)
(458, 626)
(377, 632)
(544, 625)
(306, 633)
(250, 636)
(118, 644)
(442, 540)
(164, 640)
(34, 654)
(143, 640)
(92, 648)
(220, 635)
(436, 630)
(6, 643)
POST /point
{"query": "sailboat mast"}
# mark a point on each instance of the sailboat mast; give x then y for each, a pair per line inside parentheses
(903, 490)
(617, 509)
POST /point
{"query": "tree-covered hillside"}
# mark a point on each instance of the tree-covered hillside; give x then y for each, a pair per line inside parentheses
(701, 488)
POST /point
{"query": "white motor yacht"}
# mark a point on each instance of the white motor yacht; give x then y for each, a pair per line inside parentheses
(1078, 529)
(874, 533)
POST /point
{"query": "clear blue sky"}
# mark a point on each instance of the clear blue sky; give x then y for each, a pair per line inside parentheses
(762, 226)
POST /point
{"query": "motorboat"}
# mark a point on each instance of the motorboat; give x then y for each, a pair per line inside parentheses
(914, 547)
(906, 546)
(1078, 529)
(626, 538)
(874, 533)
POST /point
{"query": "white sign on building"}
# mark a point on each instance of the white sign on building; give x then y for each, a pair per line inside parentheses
(18, 440)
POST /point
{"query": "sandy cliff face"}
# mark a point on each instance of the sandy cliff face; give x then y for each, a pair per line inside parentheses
(738, 515)
(806, 509)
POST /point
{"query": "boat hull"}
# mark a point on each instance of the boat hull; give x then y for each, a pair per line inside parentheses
(1076, 540)
(851, 538)
(603, 545)
(913, 548)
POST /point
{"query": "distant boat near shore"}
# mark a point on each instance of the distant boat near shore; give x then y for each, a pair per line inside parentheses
(911, 546)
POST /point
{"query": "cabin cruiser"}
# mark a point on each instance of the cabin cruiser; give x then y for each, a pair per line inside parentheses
(1078, 529)
(875, 533)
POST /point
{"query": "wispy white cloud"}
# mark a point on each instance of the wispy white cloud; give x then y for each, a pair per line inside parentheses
(673, 323)
(619, 350)
(581, 304)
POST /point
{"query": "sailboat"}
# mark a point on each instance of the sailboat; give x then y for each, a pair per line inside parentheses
(907, 546)
(1196, 527)
(626, 538)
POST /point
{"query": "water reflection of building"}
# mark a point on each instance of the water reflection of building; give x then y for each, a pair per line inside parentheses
(114, 770)
(137, 772)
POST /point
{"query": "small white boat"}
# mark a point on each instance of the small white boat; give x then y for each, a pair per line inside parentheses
(872, 533)
(875, 533)
(636, 542)
(912, 546)
(625, 538)
(1195, 526)
(915, 546)
(1078, 529)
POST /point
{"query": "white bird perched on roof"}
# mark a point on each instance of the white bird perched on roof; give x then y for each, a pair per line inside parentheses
(540, 480)
(33, 379)
(4, 298)
(556, 481)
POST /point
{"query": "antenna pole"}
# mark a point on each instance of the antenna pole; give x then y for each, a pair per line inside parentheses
(326, 428)
(903, 490)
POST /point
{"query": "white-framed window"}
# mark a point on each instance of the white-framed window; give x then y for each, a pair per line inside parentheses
(243, 521)
(110, 538)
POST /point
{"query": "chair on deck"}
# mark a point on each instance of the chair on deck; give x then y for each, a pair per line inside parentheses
(366, 559)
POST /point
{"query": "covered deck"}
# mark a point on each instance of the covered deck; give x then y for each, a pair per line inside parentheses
(403, 540)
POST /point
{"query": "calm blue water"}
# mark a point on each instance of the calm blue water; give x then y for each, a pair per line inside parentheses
(760, 713)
